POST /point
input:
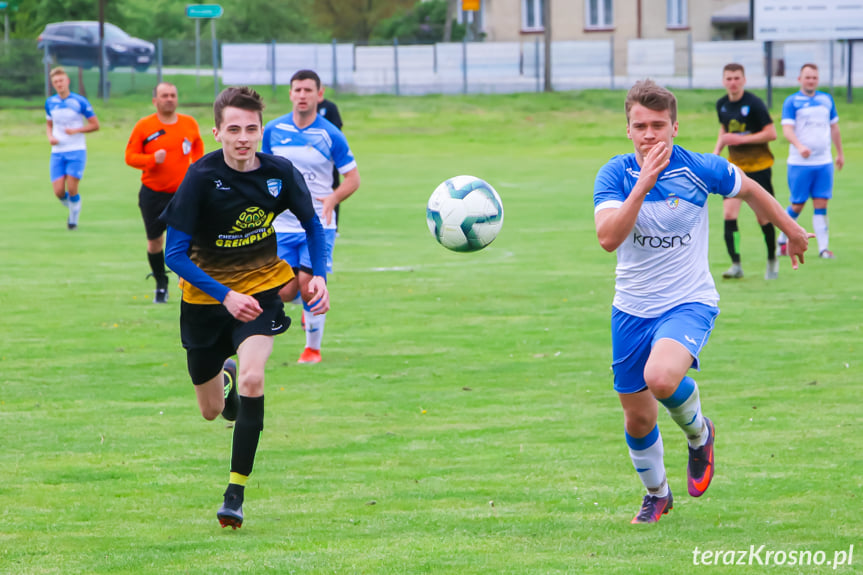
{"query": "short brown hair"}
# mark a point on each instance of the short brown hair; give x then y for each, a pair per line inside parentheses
(56, 71)
(653, 97)
(809, 65)
(241, 97)
(306, 75)
(156, 87)
(734, 67)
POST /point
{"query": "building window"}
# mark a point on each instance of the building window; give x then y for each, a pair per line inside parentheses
(677, 17)
(599, 13)
(531, 14)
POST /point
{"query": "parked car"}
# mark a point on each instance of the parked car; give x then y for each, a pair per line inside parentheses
(77, 44)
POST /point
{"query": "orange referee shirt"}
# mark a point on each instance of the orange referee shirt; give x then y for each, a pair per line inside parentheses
(182, 142)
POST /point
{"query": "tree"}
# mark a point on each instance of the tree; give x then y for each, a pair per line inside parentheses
(451, 11)
(355, 20)
(423, 24)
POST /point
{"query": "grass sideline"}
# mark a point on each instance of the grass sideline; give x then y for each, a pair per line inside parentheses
(463, 419)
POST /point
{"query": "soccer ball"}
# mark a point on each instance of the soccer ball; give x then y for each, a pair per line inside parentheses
(464, 214)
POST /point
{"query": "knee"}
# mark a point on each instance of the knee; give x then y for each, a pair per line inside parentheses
(211, 412)
(251, 381)
(660, 382)
(289, 291)
(639, 423)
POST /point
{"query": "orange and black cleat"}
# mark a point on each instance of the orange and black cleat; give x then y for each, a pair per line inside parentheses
(699, 471)
(654, 507)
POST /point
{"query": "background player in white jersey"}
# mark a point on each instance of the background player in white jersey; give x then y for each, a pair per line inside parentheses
(69, 117)
(314, 146)
(651, 207)
(810, 123)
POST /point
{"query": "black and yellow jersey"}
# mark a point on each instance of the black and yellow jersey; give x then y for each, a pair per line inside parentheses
(229, 216)
(748, 115)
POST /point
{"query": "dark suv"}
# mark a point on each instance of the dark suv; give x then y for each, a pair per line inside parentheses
(77, 44)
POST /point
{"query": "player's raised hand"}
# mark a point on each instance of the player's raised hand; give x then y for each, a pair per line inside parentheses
(655, 161)
(320, 302)
(243, 307)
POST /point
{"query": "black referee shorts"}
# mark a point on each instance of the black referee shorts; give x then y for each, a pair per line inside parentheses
(152, 205)
(210, 334)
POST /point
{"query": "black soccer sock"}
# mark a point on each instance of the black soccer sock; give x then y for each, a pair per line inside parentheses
(157, 264)
(247, 433)
(770, 239)
(732, 240)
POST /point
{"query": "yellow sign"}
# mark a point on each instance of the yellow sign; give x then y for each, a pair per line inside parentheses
(470, 5)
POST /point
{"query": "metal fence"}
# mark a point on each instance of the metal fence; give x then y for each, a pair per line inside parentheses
(448, 68)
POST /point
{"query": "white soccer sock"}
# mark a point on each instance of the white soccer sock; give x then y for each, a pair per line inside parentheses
(314, 328)
(65, 200)
(647, 458)
(74, 209)
(821, 229)
(684, 407)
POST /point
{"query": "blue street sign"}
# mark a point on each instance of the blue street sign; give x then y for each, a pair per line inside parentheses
(204, 11)
(4, 5)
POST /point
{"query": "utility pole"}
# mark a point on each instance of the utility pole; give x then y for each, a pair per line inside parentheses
(103, 73)
(546, 32)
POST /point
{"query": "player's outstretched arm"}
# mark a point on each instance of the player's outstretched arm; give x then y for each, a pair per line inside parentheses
(349, 185)
(836, 137)
(791, 136)
(768, 208)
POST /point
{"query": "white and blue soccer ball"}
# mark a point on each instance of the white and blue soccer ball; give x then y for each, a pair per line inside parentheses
(464, 214)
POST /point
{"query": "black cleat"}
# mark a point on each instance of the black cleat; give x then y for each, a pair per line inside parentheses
(232, 396)
(161, 293)
(71, 226)
(231, 511)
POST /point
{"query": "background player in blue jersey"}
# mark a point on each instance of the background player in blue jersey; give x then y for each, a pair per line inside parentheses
(745, 127)
(810, 123)
(651, 207)
(314, 146)
(69, 117)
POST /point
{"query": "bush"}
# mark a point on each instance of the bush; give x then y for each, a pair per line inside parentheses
(21, 69)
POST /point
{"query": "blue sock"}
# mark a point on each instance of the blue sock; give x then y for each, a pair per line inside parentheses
(684, 407)
(647, 458)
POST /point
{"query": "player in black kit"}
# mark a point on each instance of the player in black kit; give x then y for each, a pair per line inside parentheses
(746, 128)
(222, 244)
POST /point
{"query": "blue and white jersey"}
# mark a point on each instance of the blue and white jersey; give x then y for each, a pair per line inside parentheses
(663, 263)
(71, 112)
(811, 118)
(314, 151)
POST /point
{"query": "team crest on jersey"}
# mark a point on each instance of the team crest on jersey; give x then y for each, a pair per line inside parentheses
(672, 201)
(744, 110)
(274, 185)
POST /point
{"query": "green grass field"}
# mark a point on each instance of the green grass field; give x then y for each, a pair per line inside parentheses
(463, 420)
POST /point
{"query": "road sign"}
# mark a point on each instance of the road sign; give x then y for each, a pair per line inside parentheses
(470, 5)
(204, 11)
(4, 5)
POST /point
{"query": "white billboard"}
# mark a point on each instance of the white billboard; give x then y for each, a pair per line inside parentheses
(789, 20)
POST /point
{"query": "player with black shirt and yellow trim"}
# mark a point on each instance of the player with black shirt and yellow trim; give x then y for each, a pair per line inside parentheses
(746, 128)
(222, 244)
